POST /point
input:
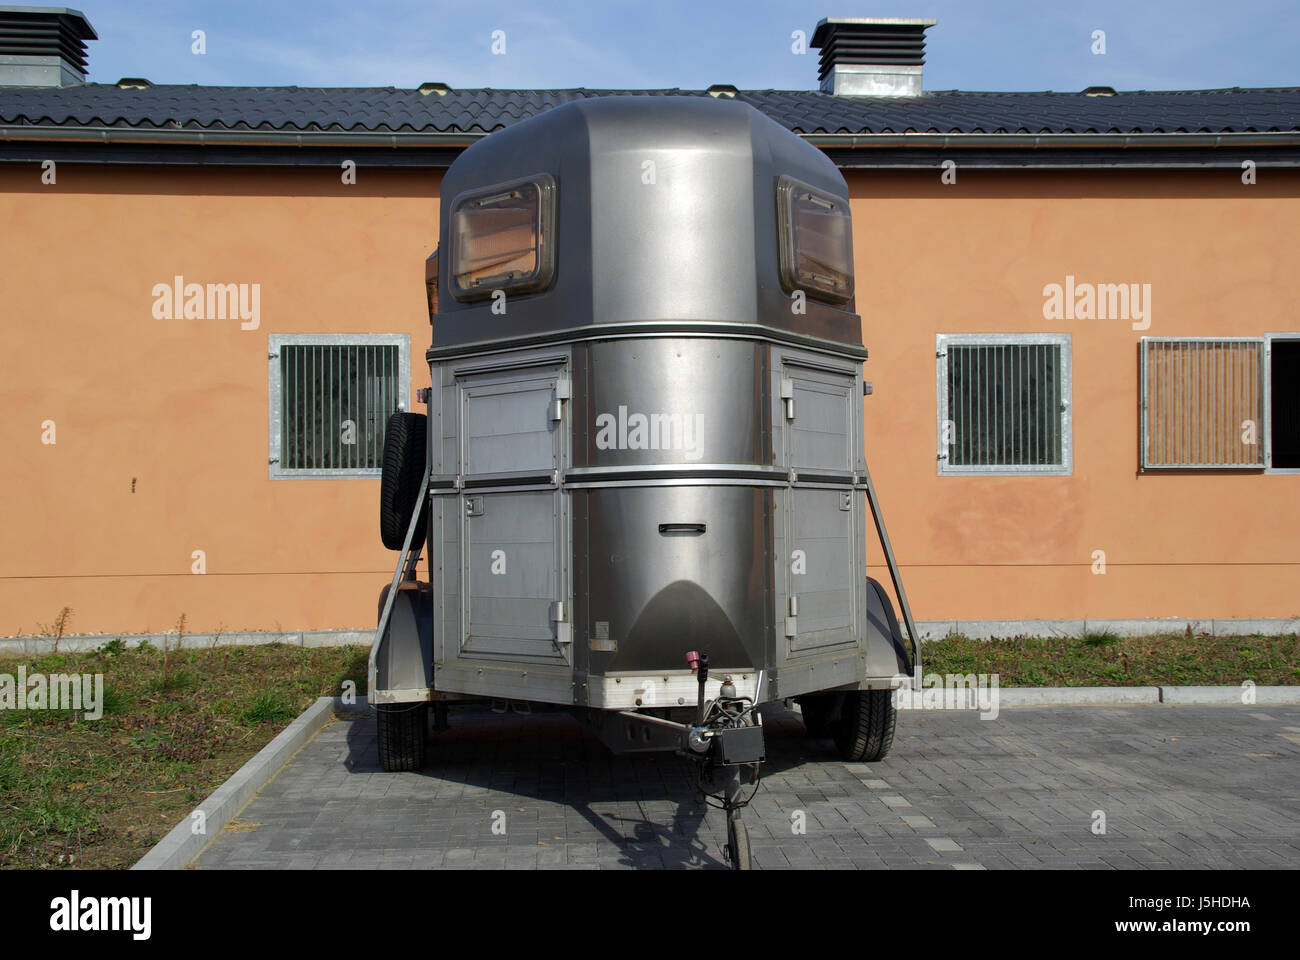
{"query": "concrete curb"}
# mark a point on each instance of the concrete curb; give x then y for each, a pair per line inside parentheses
(1230, 695)
(1075, 696)
(182, 844)
(1121, 696)
(89, 643)
(931, 630)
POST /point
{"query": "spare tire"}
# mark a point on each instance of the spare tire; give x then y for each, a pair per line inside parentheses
(405, 439)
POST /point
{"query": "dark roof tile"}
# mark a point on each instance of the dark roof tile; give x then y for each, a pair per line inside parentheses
(388, 109)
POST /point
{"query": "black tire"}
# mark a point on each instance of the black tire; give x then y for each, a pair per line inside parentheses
(865, 730)
(405, 441)
(738, 844)
(817, 710)
(403, 728)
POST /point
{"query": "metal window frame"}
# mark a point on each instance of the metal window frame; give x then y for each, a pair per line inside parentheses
(1063, 469)
(1267, 427)
(542, 276)
(275, 342)
(1264, 407)
(787, 246)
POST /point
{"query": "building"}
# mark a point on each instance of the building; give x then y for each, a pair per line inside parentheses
(1085, 360)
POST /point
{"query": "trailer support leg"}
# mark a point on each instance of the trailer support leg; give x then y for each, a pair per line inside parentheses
(737, 832)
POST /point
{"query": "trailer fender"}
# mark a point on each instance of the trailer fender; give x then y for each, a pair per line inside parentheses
(887, 649)
(403, 664)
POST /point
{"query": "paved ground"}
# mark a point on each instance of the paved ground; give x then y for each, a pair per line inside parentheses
(1179, 786)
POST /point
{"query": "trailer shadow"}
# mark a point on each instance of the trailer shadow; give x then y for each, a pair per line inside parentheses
(561, 788)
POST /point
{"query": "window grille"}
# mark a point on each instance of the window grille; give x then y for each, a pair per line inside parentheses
(330, 399)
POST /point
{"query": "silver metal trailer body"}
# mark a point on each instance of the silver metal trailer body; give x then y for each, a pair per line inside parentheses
(644, 436)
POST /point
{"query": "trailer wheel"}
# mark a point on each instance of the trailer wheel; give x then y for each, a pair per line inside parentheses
(865, 730)
(405, 441)
(738, 844)
(403, 728)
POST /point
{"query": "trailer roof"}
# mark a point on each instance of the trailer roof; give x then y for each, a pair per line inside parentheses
(665, 216)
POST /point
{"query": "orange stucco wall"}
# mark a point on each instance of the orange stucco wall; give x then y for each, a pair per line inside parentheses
(180, 406)
(974, 257)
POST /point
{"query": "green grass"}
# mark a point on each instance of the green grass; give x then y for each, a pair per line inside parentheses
(99, 793)
(268, 707)
(1105, 659)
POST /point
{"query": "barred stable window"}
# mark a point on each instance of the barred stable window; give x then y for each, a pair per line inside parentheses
(1203, 402)
(331, 396)
(1004, 403)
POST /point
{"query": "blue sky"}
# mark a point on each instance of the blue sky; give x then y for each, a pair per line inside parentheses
(995, 45)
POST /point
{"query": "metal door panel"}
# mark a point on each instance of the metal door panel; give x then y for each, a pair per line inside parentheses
(820, 435)
(501, 526)
(823, 535)
(817, 413)
(507, 426)
(512, 571)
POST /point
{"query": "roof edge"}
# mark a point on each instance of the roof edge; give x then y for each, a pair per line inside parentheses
(853, 141)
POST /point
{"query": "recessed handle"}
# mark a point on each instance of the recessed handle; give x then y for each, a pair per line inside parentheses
(681, 528)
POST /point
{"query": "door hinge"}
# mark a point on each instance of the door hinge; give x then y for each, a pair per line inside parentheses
(787, 395)
(559, 617)
(562, 391)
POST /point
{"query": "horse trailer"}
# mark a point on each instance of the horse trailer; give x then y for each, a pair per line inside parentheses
(641, 481)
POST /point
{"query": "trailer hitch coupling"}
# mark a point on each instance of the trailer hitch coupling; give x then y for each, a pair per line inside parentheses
(725, 741)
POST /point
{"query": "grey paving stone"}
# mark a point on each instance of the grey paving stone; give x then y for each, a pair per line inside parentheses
(1209, 787)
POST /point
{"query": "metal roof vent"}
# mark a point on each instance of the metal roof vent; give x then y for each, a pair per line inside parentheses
(134, 83)
(1099, 92)
(871, 56)
(43, 46)
(441, 89)
(723, 90)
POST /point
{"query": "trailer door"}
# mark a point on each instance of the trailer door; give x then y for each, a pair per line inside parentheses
(821, 522)
(512, 524)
